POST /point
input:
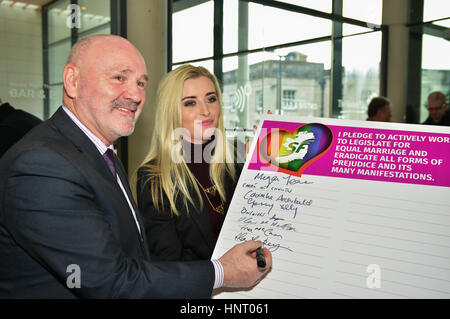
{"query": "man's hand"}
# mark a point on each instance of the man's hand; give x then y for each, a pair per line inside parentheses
(240, 267)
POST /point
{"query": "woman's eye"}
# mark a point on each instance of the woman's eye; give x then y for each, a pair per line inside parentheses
(119, 78)
(189, 103)
(212, 99)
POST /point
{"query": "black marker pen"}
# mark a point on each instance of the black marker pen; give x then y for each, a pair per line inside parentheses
(260, 259)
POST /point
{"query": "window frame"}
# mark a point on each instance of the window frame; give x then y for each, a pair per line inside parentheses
(336, 37)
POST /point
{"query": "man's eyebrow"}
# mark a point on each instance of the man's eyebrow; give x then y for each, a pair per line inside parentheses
(126, 71)
(123, 70)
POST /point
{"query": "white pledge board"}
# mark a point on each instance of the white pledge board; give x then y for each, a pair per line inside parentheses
(349, 209)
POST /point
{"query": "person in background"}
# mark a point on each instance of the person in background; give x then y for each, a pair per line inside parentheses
(184, 200)
(379, 109)
(438, 111)
(69, 227)
(14, 124)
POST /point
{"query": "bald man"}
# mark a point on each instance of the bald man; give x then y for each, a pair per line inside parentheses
(69, 227)
(438, 112)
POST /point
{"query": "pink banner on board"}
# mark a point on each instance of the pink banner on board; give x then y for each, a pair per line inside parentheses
(353, 152)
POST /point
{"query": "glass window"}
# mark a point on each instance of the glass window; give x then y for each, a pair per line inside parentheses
(443, 23)
(21, 71)
(259, 100)
(361, 56)
(94, 14)
(94, 19)
(435, 9)
(231, 30)
(57, 56)
(57, 21)
(192, 32)
(367, 10)
(350, 29)
(289, 95)
(208, 64)
(103, 29)
(242, 78)
(320, 5)
(435, 69)
(305, 69)
(55, 96)
(59, 44)
(271, 26)
(289, 64)
(293, 81)
(267, 26)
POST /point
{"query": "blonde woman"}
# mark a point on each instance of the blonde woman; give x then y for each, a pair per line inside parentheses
(187, 179)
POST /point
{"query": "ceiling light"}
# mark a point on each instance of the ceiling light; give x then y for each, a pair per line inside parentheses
(19, 4)
(32, 6)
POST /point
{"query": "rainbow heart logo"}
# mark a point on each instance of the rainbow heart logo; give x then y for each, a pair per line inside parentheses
(292, 152)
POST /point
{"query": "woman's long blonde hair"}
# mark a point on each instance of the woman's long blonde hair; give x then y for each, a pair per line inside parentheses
(164, 165)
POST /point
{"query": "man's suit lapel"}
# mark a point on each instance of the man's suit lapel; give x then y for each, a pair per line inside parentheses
(62, 122)
(73, 133)
(126, 185)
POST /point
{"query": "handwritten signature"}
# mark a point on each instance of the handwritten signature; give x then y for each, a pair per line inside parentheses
(255, 201)
(272, 246)
(286, 180)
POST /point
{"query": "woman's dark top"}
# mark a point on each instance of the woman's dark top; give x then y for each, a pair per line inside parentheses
(191, 235)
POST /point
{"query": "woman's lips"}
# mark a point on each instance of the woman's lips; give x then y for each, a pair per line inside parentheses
(207, 122)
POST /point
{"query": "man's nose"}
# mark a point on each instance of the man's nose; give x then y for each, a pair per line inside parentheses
(134, 92)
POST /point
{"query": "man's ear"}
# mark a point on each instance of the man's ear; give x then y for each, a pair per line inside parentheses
(71, 80)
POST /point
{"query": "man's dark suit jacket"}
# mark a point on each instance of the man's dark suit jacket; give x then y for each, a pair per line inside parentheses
(445, 120)
(59, 206)
(14, 124)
